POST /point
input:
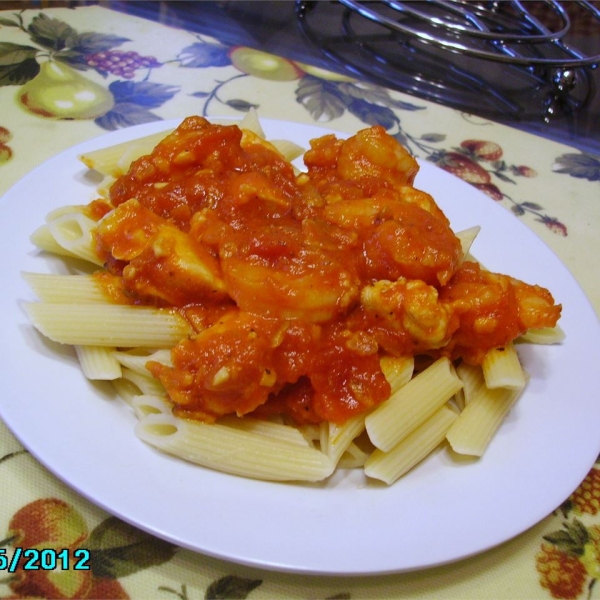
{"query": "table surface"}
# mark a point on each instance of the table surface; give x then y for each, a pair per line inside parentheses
(552, 188)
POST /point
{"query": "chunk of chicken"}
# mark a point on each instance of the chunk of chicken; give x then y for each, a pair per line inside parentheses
(413, 307)
(162, 262)
(493, 310)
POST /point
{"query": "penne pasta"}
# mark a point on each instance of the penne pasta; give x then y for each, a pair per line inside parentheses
(43, 239)
(390, 466)
(287, 149)
(501, 368)
(115, 160)
(312, 434)
(412, 404)
(65, 289)
(466, 238)
(73, 232)
(270, 429)
(145, 383)
(233, 450)
(341, 437)
(126, 390)
(103, 188)
(398, 371)
(150, 404)
(476, 425)
(472, 379)
(98, 362)
(62, 211)
(251, 123)
(353, 458)
(108, 325)
(549, 335)
(137, 362)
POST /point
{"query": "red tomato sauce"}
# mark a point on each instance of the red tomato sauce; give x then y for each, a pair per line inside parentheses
(296, 284)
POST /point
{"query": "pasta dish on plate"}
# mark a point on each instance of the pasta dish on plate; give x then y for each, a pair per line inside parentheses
(279, 323)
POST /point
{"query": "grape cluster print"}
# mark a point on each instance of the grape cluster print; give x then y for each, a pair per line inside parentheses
(120, 63)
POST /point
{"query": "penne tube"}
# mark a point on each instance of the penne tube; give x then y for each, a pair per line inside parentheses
(137, 362)
(150, 404)
(340, 437)
(146, 384)
(251, 122)
(466, 238)
(288, 149)
(233, 450)
(472, 379)
(412, 404)
(98, 362)
(459, 400)
(501, 368)
(476, 425)
(61, 211)
(312, 434)
(398, 371)
(269, 429)
(73, 231)
(390, 466)
(115, 160)
(549, 335)
(66, 289)
(43, 239)
(108, 324)
(353, 458)
(103, 188)
(323, 435)
(126, 390)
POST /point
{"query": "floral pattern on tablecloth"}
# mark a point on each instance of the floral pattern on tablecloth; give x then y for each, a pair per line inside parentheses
(5, 150)
(581, 165)
(568, 562)
(52, 85)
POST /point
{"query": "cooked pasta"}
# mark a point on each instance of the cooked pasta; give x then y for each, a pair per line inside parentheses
(390, 466)
(108, 324)
(412, 404)
(234, 450)
(473, 430)
(501, 368)
(98, 362)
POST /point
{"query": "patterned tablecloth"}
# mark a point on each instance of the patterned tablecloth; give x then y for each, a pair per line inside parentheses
(150, 72)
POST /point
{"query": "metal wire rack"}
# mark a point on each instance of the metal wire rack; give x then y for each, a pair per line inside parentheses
(510, 31)
(445, 50)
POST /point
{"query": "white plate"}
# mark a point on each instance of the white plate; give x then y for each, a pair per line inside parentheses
(442, 511)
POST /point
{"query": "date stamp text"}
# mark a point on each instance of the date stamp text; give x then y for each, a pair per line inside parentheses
(34, 559)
